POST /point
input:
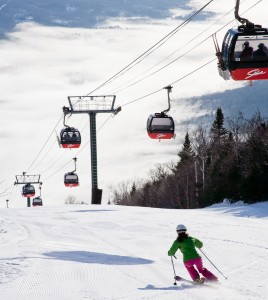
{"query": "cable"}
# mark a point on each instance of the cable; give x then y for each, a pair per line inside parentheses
(46, 154)
(46, 179)
(57, 171)
(166, 37)
(56, 159)
(150, 49)
(147, 95)
(181, 78)
(174, 60)
(54, 129)
(154, 92)
(149, 69)
(3, 193)
(43, 146)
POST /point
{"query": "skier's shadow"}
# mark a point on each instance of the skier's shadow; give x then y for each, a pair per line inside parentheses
(169, 288)
(96, 258)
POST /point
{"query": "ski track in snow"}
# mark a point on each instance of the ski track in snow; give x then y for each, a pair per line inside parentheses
(121, 253)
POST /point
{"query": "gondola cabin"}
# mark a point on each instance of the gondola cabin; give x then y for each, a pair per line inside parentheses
(71, 179)
(245, 54)
(28, 190)
(70, 138)
(37, 201)
(160, 126)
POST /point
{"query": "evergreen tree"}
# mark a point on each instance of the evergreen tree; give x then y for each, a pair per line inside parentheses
(218, 132)
(255, 165)
(186, 174)
(219, 159)
(133, 189)
(187, 152)
(231, 164)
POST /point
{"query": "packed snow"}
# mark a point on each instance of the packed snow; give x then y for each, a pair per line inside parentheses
(115, 252)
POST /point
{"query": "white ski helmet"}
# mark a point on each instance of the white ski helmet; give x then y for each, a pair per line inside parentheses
(181, 228)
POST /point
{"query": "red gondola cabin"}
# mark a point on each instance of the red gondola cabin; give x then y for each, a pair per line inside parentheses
(70, 138)
(160, 126)
(28, 190)
(245, 54)
(71, 179)
(37, 201)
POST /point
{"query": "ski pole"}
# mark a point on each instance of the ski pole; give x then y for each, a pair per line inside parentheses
(175, 283)
(213, 264)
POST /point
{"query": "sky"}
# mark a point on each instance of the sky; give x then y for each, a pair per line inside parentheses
(113, 252)
(41, 66)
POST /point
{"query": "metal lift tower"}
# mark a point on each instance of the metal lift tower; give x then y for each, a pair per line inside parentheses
(24, 179)
(92, 105)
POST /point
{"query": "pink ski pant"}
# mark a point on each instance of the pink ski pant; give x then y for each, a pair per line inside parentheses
(196, 263)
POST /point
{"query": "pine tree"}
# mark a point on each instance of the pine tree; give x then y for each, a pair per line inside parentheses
(219, 158)
(218, 132)
(186, 174)
(187, 152)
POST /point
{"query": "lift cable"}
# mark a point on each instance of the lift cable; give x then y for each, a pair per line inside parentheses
(130, 102)
(51, 175)
(54, 158)
(44, 145)
(147, 95)
(181, 78)
(150, 50)
(5, 191)
(154, 92)
(174, 60)
(147, 70)
(119, 88)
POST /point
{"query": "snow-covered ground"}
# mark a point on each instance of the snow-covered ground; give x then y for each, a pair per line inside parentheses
(113, 252)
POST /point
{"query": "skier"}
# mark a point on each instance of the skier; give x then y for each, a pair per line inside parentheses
(191, 258)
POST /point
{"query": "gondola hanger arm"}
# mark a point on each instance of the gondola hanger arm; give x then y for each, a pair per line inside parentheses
(75, 159)
(240, 19)
(66, 111)
(169, 90)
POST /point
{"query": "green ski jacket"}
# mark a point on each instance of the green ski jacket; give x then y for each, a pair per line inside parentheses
(187, 248)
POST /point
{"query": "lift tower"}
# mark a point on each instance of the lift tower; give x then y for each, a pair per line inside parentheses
(92, 105)
(27, 179)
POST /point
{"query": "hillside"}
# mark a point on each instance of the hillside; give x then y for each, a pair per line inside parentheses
(112, 252)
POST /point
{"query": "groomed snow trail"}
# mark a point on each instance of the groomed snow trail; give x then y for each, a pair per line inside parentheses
(112, 252)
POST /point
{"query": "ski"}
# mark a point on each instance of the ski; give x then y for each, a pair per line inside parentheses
(202, 283)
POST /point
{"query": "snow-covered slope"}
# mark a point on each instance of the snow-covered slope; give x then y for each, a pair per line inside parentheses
(112, 252)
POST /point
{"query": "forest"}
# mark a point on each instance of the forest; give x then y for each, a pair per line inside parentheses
(226, 160)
